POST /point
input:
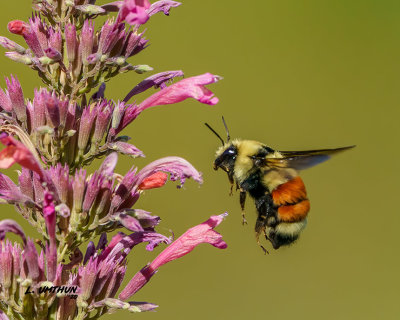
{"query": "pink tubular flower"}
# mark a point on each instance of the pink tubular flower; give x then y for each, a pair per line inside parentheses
(134, 11)
(164, 6)
(16, 152)
(202, 233)
(193, 87)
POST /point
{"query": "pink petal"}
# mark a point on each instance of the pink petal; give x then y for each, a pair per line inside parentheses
(193, 87)
(202, 233)
(134, 12)
(16, 151)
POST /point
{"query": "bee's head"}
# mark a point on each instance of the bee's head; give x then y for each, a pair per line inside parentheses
(226, 157)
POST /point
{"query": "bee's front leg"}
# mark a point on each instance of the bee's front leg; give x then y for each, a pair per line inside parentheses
(232, 182)
(242, 203)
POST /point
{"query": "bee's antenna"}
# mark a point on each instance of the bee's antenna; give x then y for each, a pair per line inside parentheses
(219, 137)
(227, 131)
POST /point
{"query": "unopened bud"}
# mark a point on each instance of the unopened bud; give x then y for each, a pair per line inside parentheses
(63, 210)
(19, 58)
(53, 54)
(71, 42)
(120, 61)
(90, 9)
(134, 309)
(70, 133)
(11, 45)
(18, 27)
(45, 60)
(93, 58)
(142, 68)
(52, 111)
(115, 303)
(116, 117)
(45, 130)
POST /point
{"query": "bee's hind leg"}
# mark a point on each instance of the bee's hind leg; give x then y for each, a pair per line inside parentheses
(260, 228)
(242, 203)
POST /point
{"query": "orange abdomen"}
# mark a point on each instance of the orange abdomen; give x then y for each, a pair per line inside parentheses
(291, 200)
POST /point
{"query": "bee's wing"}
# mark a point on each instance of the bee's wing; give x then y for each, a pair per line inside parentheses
(300, 160)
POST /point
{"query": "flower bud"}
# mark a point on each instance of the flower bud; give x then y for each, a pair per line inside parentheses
(78, 189)
(102, 121)
(53, 54)
(117, 115)
(18, 27)
(87, 40)
(32, 40)
(19, 58)
(25, 183)
(31, 257)
(115, 303)
(11, 45)
(93, 187)
(5, 101)
(87, 278)
(63, 210)
(85, 128)
(52, 112)
(142, 68)
(90, 9)
(55, 39)
(6, 265)
(104, 34)
(17, 98)
(127, 149)
(40, 31)
(39, 106)
(45, 61)
(93, 58)
(71, 42)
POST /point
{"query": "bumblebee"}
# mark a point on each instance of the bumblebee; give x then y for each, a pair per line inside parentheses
(271, 178)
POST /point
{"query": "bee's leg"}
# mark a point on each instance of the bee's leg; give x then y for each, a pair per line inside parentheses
(232, 182)
(242, 203)
(260, 227)
(265, 210)
(231, 191)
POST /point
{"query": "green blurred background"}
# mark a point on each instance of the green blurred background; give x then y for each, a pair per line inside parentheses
(297, 75)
